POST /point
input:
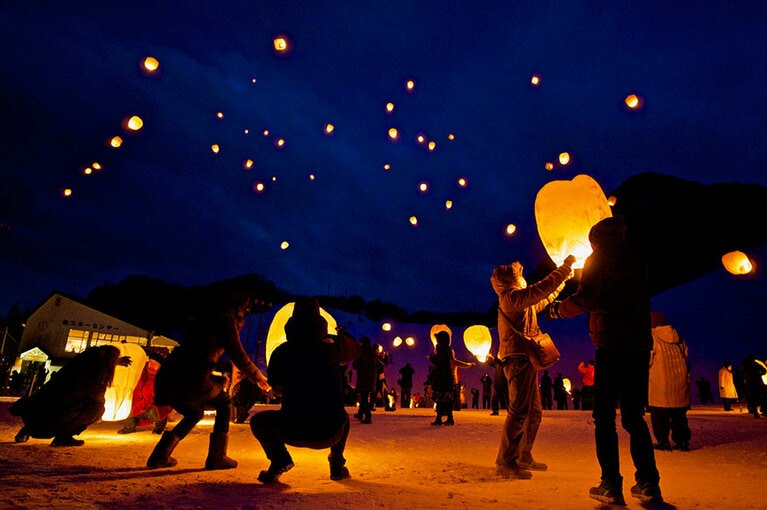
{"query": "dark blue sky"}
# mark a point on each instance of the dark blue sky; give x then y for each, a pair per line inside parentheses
(166, 206)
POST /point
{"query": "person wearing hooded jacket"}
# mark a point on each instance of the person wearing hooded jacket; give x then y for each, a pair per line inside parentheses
(307, 371)
(669, 386)
(518, 307)
(614, 290)
(188, 382)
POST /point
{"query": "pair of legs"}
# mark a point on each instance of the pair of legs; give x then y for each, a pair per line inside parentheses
(444, 408)
(192, 414)
(673, 420)
(622, 379)
(364, 413)
(523, 418)
(272, 430)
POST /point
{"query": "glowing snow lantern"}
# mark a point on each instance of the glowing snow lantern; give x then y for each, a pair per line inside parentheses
(389, 107)
(436, 329)
(410, 341)
(393, 133)
(386, 326)
(478, 340)
(329, 128)
(510, 229)
(409, 85)
(414, 221)
(133, 123)
(119, 396)
(564, 158)
(549, 166)
(737, 263)
(151, 64)
(565, 211)
(284, 245)
(633, 101)
(215, 148)
(276, 334)
(115, 142)
(397, 341)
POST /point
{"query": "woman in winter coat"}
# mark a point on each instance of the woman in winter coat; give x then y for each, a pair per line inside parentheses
(669, 386)
(187, 380)
(307, 371)
(72, 400)
(444, 377)
(727, 391)
(367, 377)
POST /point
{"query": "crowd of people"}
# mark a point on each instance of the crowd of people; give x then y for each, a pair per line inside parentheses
(640, 365)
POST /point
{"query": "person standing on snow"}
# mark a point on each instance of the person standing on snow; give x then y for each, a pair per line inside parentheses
(727, 391)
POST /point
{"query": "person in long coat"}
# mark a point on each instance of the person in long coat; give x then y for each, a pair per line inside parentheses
(444, 381)
(669, 386)
(187, 381)
(72, 400)
(367, 377)
(727, 391)
(307, 371)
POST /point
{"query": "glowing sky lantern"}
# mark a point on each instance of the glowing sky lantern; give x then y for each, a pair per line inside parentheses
(389, 107)
(633, 101)
(423, 186)
(432, 146)
(119, 396)
(409, 85)
(281, 45)
(276, 334)
(737, 263)
(150, 64)
(387, 166)
(611, 200)
(220, 115)
(535, 80)
(284, 245)
(96, 165)
(329, 128)
(215, 148)
(259, 187)
(448, 204)
(565, 211)
(115, 142)
(133, 123)
(510, 229)
(436, 329)
(451, 136)
(393, 133)
(567, 384)
(247, 164)
(397, 341)
(564, 158)
(280, 142)
(420, 138)
(414, 221)
(549, 166)
(478, 341)
(462, 182)
(67, 192)
(386, 326)
(410, 341)
(312, 177)
(265, 132)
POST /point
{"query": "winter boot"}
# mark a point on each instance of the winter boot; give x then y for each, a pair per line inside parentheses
(338, 470)
(130, 426)
(22, 436)
(66, 440)
(160, 456)
(610, 493)
(217, 458)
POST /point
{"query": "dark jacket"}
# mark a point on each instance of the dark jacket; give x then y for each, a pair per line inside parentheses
(614, 290)
(365, 365)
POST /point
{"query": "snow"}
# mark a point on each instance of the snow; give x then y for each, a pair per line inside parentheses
(398, 462)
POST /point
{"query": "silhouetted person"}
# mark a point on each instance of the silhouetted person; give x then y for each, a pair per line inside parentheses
(669, 386)
(474, 398)
(406, 384)
(72, 400)
(306, 371)
(587, 385)
(188, 380)
(560, 392)
(546, 389)
(752, 379)
(444, 384)
(487, 389)
(367, 375)
(614, 290)
(704, 391)
(727, 391)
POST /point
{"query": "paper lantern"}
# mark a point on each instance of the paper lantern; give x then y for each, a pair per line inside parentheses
(478, 340)
(764, 377)
(436, 329)
(567, 384)
(276, 334)
(397, 341)
(119, 396)
(565, 211)
(737, 262)
(151, 64)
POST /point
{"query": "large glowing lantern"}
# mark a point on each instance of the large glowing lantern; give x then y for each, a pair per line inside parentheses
(276, 334)
(478, 340)
(737, 262)
(119, 396)
(436, 329)
(764, 377)
(565, 211)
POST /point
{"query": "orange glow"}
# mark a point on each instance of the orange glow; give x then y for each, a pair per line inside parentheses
(389, 107)
(115, 142)
(737, 263)
(478, 340)
(423, 186)
(535, 80)
(633, 101)
(564, 158)
(410, 85)
(215, 148)
(420, 138)
(280, 142)
(266, 132)
(611, 200)
(151, 64)
(312, 177)
(220, 115)
(248, 164)
(281, 44)
(432, 146)
(329, 128)
(387, 166)
(67, 192)
(510, 229)
(410, 341)
(393, 133)
(87, 170)
(386, 326)
(397, 341)
(414, 221)
(451, 136)
(462, 182)
(133, 123)
(284, 245)
(448, 204)
(259, 187)
(549, 166)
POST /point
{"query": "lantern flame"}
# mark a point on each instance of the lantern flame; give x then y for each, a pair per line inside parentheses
(478, 341)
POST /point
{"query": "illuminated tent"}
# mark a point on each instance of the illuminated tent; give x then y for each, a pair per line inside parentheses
(276, 334)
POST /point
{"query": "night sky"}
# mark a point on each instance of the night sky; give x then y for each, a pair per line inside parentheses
(164, 204)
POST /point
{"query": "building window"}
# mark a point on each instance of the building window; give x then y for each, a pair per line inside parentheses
(77, 341)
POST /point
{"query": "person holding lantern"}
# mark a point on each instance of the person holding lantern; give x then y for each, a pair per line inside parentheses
(188, 381)
(614, 290)
(518, 306)
(444, 378)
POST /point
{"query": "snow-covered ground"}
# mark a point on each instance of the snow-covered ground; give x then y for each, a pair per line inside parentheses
(398, 462)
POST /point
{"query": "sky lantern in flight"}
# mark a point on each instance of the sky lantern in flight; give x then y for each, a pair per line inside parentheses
(410, 85)
(280, 143)
(410, 341)
(737, 263)
(414, 221)
(510, 229)
(150, 65)
(423, 186)
(276, 334)
(549, 166)
(67, 192)
(133, 123)
(436, 329)
(284, 245)
(448, 204)
(451, 137)
(478, 341)
(397, 341)
(387, 166)
(386, 326)
(633, 102)
(462, 182)
(247, 164)
(119, 395)
(565, 211)
(389, 107)
(393, 133)
(259, 187)
(535, 80)
(432, 145)
(115, 142)
(329, 128)
(282, 45)
(215, 148)
(564, 158)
